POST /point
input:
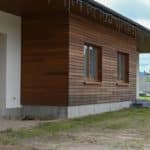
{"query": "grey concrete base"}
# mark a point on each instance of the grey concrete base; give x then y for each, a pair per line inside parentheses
(81, 111)
(14, 113)
(51, 112)
(43, 112)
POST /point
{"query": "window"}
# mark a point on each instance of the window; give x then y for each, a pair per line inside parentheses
(123, 67)
(92, 63)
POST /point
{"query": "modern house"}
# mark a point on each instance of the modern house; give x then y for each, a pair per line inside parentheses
(67, 58)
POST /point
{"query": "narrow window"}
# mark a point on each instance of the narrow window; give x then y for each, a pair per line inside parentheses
(92, 63)
(123, 67)
(86, 61)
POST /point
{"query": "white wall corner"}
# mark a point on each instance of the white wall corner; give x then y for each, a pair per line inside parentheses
(137, 77)
(11, 26)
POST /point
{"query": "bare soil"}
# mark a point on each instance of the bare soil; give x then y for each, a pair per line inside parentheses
(126, 130)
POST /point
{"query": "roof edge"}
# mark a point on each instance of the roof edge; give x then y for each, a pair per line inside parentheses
(116, 14)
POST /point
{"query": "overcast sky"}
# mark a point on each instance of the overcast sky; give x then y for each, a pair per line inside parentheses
(138, 10)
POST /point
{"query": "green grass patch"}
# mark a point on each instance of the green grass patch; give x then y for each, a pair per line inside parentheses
(125, 119)
(146, 98)
(147, 79)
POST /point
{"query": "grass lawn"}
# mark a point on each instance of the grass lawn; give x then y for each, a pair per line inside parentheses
(122, 130)
(146, 98)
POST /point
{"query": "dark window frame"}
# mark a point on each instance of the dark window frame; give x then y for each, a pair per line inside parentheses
(89, 60)
(123, 67)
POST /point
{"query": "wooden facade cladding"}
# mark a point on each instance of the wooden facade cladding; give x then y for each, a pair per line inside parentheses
(45, 60)
(84, 30)
(53, 63)
(86, 8)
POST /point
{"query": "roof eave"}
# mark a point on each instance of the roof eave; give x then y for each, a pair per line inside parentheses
(143, 33)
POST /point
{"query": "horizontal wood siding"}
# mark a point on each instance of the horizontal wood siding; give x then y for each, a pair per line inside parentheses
(45, 60)
(84, 30)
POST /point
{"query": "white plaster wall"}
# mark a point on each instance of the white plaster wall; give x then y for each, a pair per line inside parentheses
(137, 78)
(10, 25)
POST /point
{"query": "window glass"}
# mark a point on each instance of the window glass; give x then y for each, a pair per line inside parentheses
(93, 66)
(123, 67)
(91, 62)
(85, 61)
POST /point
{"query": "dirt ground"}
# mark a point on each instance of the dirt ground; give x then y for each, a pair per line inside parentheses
(17, 124)
(85, 140)
(124, 130)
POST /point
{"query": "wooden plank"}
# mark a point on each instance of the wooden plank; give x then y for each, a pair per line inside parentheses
(83, 30)
(45, 60)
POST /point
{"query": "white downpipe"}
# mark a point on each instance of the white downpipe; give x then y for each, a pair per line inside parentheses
(137, 77)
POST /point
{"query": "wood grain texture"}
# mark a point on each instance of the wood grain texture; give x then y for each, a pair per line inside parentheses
(52, 61)
(32, 7)
(84, 30)
(45, 60)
